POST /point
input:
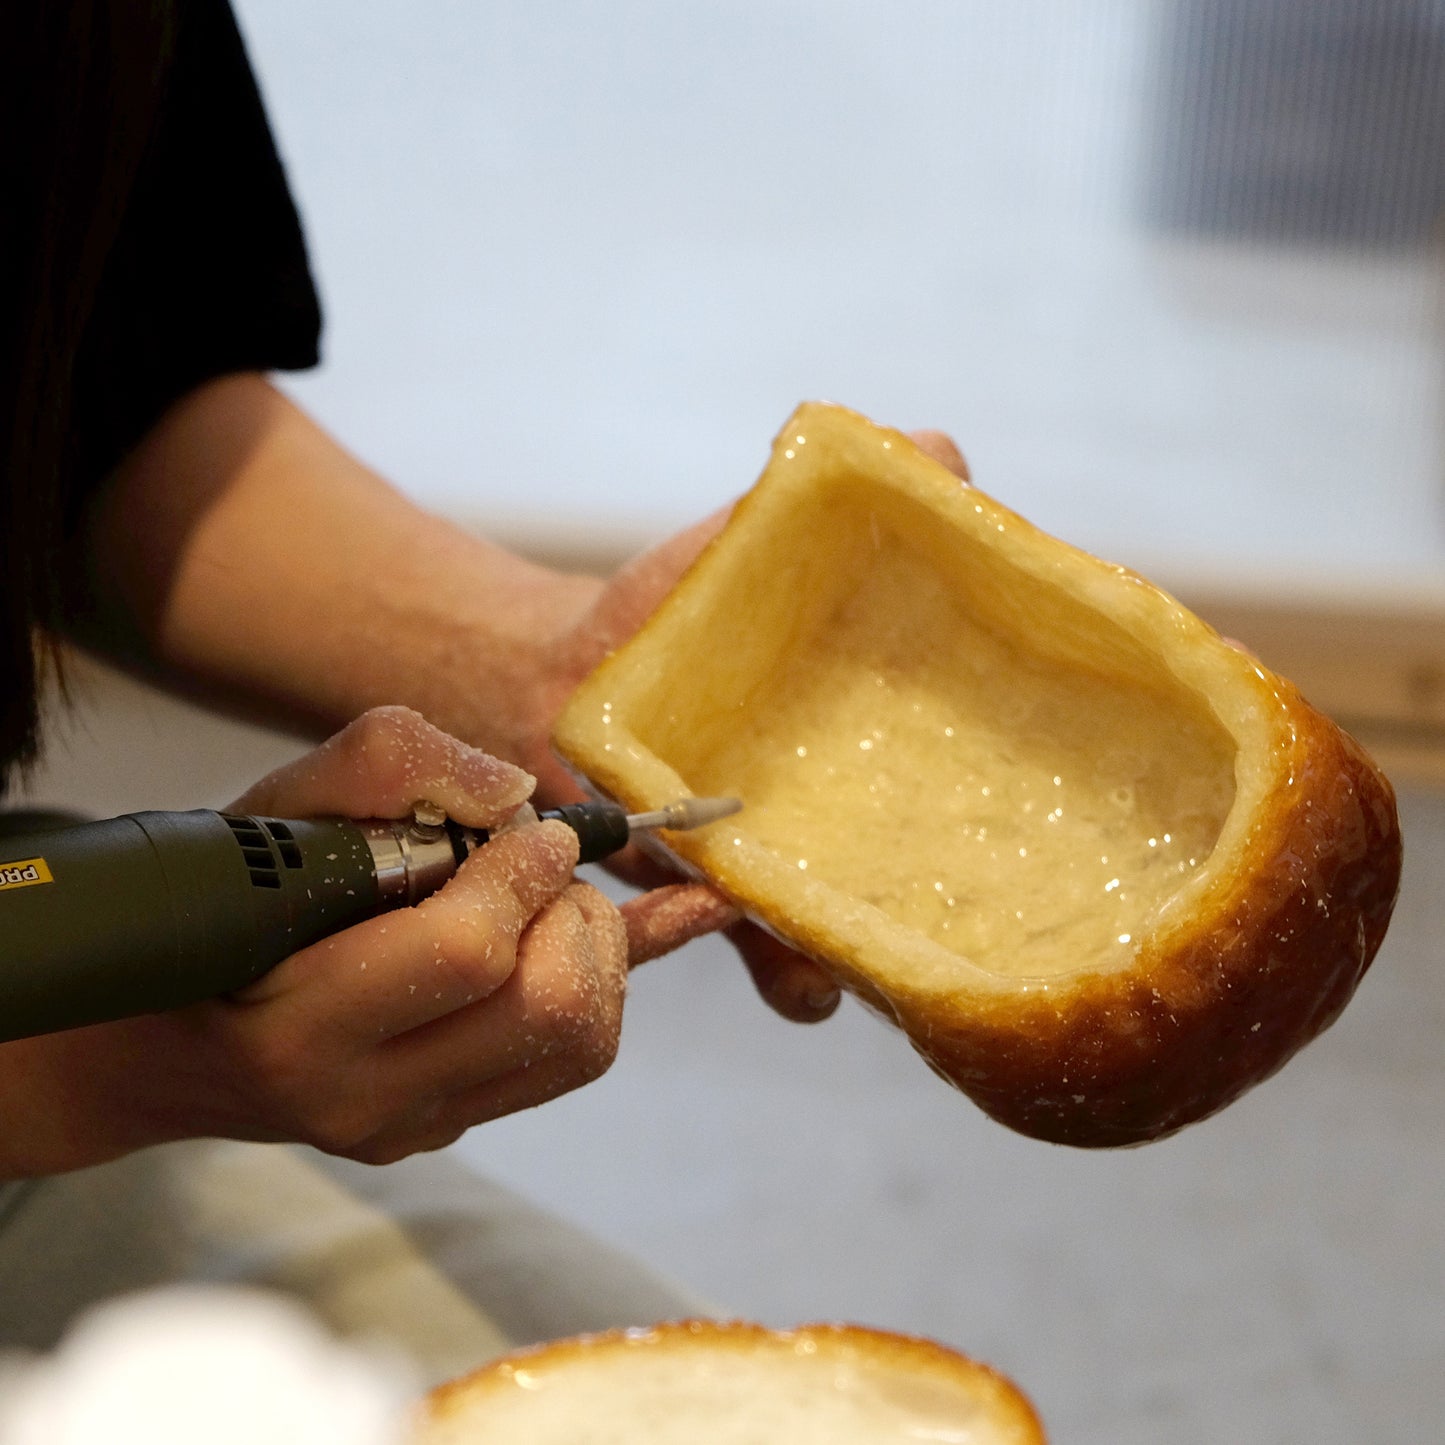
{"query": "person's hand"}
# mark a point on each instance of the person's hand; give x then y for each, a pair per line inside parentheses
(499, 992)
(401, 605)
(672, 913)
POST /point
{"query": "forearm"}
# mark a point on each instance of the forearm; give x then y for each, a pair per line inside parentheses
(241, 553)
(70, 1099)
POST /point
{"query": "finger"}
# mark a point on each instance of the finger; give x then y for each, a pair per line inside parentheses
(523, 1088)
(666, 918)
(636, 588)
(388, 759)
(791, 985)
(635, 866)
(401, 970)
(563, 998)
(609, 933)
(444, 1119)
(942, 448)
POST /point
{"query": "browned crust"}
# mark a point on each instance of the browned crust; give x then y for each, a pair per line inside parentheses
(1201, 1014)
(1124, 1057)
(1134, 1055)
(1006, 1402)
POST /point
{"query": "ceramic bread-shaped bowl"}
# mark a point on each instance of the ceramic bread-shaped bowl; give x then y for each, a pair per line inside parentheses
(1103, 868)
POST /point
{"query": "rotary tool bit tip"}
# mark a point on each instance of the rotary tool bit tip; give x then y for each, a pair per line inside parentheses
(687, 813)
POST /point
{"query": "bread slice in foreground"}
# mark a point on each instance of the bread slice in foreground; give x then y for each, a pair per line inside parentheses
(702, 1383)
(1104, 869)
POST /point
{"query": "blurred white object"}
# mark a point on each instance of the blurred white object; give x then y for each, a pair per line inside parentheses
(184, 1366)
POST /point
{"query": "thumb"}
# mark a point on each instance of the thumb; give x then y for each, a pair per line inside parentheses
(636, 588)
(385, 761)
(942, 448)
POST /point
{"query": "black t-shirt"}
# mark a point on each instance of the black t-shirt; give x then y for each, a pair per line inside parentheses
(148, 243)
(208, 273)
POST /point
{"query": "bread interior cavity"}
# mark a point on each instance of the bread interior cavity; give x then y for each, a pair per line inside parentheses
(916, 724)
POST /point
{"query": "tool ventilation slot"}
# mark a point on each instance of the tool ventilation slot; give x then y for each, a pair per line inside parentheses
(256, 849)
(285, 841)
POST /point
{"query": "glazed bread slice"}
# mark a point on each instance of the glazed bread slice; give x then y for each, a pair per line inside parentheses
(698, 1383)
(1104, 869)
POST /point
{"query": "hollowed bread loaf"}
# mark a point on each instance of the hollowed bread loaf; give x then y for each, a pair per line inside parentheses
(702, 1383)
(1105, 869)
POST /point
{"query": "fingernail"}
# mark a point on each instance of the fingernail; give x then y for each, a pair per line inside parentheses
(491, 774)
(524, 817)
(490, 789)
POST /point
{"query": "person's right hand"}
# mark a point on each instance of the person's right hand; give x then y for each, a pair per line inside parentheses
(499, 992)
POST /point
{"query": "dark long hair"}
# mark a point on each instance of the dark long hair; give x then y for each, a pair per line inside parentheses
(80, 89)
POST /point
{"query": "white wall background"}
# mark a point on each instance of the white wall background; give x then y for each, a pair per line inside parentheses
(581, 259)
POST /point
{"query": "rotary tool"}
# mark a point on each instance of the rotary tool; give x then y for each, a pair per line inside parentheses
(155, 910)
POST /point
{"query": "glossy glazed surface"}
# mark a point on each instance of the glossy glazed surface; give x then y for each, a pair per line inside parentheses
(1030, 817)
(730, 1384)
(857, 558)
